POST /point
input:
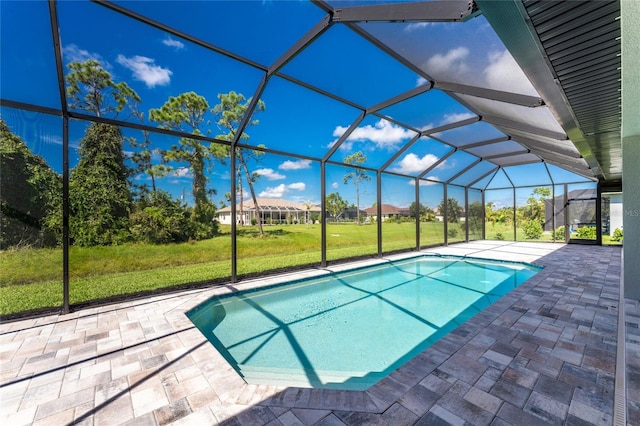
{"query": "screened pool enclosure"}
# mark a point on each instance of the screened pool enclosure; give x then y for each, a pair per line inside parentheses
(155, 145)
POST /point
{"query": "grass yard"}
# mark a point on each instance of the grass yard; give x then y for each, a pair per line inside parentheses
(32, 278)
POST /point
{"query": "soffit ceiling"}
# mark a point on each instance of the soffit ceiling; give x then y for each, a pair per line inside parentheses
(571, 53)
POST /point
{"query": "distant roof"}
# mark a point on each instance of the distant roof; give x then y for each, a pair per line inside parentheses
(272, 204)
(386, 209)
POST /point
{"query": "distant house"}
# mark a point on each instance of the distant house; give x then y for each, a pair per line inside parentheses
(388, 212)
(270, 210)
(439, 216)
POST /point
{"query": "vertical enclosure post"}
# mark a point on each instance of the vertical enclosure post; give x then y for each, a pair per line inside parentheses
(323, 213)
(417, 214)
(445, 215)
(379, 210)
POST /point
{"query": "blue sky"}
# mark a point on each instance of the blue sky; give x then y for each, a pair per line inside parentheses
(158, 65)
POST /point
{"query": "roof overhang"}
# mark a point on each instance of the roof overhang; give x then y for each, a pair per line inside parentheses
(570, 51)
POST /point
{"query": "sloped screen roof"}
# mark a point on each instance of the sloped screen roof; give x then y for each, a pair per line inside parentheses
(424, 90)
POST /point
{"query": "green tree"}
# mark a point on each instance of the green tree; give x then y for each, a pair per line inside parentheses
(91, 88)
(535, 207)
(429, 215)
(186, 113)
(489, 213)
(532, 229)
(159, 219)
(475, 218)
(531, 216)
(453, 209)
(230, 112)
(335, 205)
(143, 160)
(100, 199)
(420, 211)
(358, 176)
(30, 196)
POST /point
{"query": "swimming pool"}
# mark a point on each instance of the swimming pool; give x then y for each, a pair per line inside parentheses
(348, 330)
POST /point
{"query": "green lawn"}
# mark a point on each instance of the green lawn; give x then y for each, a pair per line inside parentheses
(32, 278)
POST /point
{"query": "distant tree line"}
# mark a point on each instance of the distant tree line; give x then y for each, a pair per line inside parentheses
(106, 205)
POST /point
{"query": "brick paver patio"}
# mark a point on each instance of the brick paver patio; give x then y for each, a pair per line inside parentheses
(545, 353)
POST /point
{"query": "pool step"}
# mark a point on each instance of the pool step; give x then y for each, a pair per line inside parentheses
(359, 380)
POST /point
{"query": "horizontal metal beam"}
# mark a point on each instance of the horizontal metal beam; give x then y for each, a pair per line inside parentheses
(29, 107)
(144, 127)
(463, 171)
(545, 146)
(434, 11)
(517, 125)
(400, 152)
(401, 97)
(494, 170)
(587, 174)
(344, 136)
(144, 19)
(320, 91)
(549, 155)
(521, 163)
(487, 142)
(450, 126)
(311, 35)
(578, 165)
(495, 95)
(437, 163)
(507, 154)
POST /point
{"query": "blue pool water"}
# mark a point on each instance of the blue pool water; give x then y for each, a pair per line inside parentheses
(348, 330)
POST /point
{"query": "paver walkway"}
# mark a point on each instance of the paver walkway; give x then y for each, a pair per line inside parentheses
(545, 353)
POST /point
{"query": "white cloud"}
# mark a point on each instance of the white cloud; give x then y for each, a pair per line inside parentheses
(242, 195)
(182, 172)
(72, 53)
(427, 126)
(334, 185)
(411, 163)
(412, 182)
(453, 118)
(295, 165)
(297, 186)
(47, 138)
(173, 43)
(420, 81)
(383, 134)
(446, 164)
(416, 26)
(504, 73)
(452, 62)
(280, 190)
(144, 69)
(270, 174)
(274, 192)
